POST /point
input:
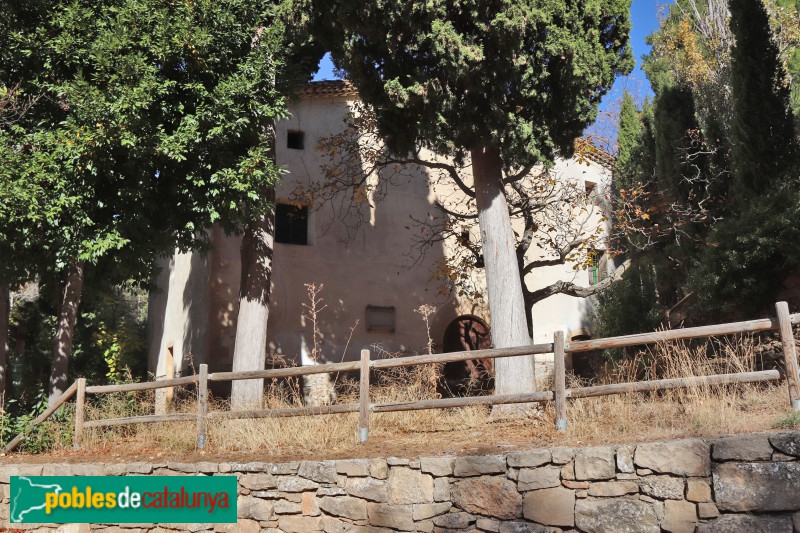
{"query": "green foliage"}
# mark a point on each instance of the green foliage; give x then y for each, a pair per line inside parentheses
(524, 77)
(151, 123)
(628, 306)
(54, 433)
(791, 420)
(763, 141)
(109, 339)
(748, 258)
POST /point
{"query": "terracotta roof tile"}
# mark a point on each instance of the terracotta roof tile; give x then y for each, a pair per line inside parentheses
(327, 88)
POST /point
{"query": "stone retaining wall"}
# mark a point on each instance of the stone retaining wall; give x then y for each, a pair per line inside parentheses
(743, 483)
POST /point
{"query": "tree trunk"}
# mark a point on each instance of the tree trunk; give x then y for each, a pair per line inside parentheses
(513, 375)
(68, 300)
(250, 346)
(4, 311)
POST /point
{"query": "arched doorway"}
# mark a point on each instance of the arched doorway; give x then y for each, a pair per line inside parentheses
(467, 333)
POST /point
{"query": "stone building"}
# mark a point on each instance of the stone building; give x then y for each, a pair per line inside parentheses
(371, 290)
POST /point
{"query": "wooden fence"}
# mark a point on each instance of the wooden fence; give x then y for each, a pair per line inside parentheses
(559, 347)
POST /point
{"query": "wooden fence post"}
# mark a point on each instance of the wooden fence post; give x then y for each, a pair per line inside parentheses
(560, 393)
(363, 398)
(789, 353)
(80, 401)
(202, 406)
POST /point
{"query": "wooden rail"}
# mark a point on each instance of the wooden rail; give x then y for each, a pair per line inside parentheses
(559, 347)
(16, 441)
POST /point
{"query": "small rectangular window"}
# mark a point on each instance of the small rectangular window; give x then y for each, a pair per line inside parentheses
(295, 139)
(291, 224)
(597, 265)
(379, 318)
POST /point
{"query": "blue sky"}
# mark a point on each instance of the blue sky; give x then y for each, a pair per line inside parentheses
(644, 20)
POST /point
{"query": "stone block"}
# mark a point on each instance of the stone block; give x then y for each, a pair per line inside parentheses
(698, 490)
(352, 467)
(562, 456)
(608, 489)
(409, 486)
(344, 506)
(295, 484)
(437, 466)
(287, 507)
(207, 467)
(397, 461)
(331, 491)
(441, 489)
(84, 469)
(116, 470)
(662, 487)
(539, 478)
(595, 463)
(526, 527)
(284, 469)
(309, 504)
(186, 468)
(319, 471)
(423, 526)
(778, 456)
(479, 465)
(253, 508)
(241, 526)
(367, 488)
(300, 524)
(707, 510)
(679, 517)
(551, 507)
(529, 459)
(394, 516)
(742, 448)
(379, 469)
(625, 460)
(788, 443)
(741, 523)
(757, 487)
(493, 496)
(458, 520)
(254, 466)
(258, 481)
(620, 515)
(682, 458)
(568, 471)
(488, 524)
(140, 468)
(582, 485)
(424, 511)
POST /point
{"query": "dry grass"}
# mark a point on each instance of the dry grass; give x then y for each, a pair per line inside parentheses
(699, 410)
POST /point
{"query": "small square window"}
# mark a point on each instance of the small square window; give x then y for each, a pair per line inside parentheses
(291, 224)
(380, 318)
(295, 140)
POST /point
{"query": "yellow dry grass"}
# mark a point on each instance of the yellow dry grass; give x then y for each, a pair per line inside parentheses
(694, 411)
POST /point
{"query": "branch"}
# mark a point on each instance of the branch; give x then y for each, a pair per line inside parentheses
(578, 291)
(460, 216)
(450, 169)
(562, 257)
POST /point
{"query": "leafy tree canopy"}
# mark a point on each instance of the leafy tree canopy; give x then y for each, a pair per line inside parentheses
(523, 77)
(148, 123)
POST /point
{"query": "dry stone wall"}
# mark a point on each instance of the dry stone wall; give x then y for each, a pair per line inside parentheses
(742, 483)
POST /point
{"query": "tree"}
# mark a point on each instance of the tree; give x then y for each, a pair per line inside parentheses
(508, 84)
(150, 128)
(558, 221)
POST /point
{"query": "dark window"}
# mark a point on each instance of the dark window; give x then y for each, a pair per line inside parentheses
(294, 140)
(291, 224)
(380, 318)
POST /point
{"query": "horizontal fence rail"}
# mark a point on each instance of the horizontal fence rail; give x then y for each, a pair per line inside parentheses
(559, 395)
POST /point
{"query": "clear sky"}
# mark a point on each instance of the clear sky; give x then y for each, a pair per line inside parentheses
(644, 19)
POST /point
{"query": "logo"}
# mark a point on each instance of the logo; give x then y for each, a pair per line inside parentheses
(122, 500)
